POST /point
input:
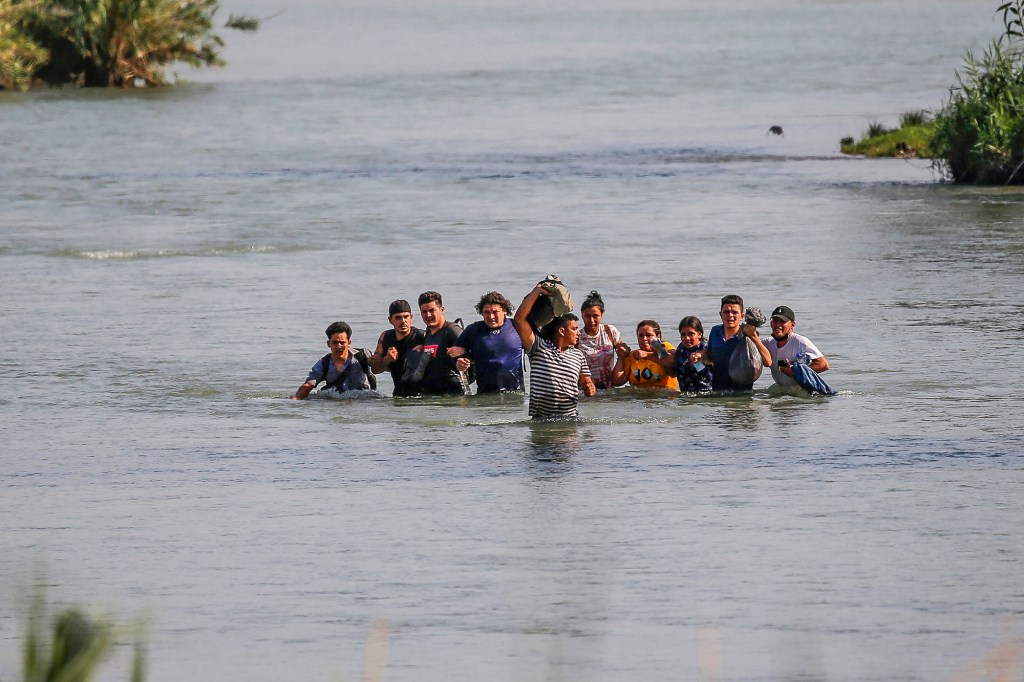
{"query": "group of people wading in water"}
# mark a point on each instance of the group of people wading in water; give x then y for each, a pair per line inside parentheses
(565, 360)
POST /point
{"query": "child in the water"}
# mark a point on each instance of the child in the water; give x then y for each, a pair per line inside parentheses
(686, 361)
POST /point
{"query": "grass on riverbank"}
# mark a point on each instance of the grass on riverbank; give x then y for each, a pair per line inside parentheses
(912, 139)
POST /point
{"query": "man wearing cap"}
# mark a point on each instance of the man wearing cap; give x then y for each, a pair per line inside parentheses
(784, 347)
(394, 345)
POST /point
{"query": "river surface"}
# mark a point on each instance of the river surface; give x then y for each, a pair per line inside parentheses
(169, 260)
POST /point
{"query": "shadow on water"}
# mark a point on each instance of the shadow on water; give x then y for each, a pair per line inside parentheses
(556, 440)
(739, 414)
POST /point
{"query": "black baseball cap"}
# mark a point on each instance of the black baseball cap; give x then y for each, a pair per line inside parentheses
(784, 313)
(399, 306)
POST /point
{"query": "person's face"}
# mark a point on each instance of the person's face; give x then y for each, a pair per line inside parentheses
(731, 315)
(494, 315)
(338, 343)
(432, 314)
(571, 332)
(781, 329)
(592, 317)
(689, 336)
(402, 322)
(644, 336)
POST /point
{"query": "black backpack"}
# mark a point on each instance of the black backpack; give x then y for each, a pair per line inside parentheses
(362, 357)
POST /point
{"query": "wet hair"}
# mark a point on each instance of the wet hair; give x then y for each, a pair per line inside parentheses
(691, 322)
(337, 328)
(550, 330)
(429, 297)
(649, 323)
(494, 298)
(730, 299)
(563, 320)
(594, 299)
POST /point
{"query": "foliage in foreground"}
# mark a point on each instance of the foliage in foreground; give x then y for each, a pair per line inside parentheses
(979, 134)
(73, 651)
(107, 42)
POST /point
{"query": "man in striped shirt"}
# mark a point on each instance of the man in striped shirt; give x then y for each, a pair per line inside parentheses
(557, 367)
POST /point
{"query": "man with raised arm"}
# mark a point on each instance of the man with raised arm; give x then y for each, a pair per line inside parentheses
(558, 369)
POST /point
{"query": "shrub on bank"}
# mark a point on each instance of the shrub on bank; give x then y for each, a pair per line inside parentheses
(119, 43)
(979, 134)
(20, 56)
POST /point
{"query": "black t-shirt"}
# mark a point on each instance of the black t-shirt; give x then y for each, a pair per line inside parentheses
(397, 368)
(437, 369)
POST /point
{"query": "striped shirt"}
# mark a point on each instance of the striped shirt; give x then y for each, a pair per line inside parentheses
(554, 379)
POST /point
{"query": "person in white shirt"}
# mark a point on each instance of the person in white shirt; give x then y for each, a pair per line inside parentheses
(784, 346)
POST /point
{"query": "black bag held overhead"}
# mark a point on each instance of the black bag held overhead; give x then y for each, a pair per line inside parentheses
(745, 365)
(547, 308)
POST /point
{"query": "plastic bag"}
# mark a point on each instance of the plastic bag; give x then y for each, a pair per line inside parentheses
(745, 364)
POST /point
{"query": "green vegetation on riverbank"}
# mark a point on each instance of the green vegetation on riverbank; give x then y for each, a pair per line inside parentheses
(978, 136)
(912, 138)
(119, 43)
(980, 133)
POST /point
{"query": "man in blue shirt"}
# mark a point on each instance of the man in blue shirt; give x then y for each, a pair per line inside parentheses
(723, 341)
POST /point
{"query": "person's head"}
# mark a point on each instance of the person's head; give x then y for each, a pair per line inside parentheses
(400, 317)
(339, 337)
(431, 309)
(647, 331)
(783, 321)
(566, 330)
(691, 331)
(494, 308)
(592, 311)
(731, 311)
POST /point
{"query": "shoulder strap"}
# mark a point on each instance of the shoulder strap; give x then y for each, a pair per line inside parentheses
(364, 362)
(608, 331)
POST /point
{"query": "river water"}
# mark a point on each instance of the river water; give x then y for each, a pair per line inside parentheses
(169, 259)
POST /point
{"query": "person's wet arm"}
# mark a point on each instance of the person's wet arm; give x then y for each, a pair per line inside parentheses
(750, 331)
(619, 374)
(519, 320)
(304, 391)
(668, 362)
(380, 360)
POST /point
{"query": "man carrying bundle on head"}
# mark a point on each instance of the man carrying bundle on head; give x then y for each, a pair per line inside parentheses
(558, 369)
